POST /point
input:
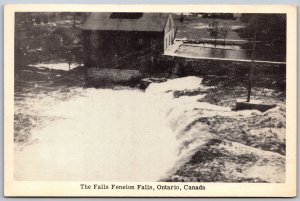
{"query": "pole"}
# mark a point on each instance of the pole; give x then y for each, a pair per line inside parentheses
(74, 20)
(252, 62)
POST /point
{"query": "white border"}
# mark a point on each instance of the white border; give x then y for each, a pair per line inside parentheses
(24, 188)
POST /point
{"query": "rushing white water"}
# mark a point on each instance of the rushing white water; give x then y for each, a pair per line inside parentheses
(122, 134)
(107, 135)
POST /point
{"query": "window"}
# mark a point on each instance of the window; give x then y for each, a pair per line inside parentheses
(128, 42)
(126, 15)
(153, 44)
(166, 42)
(141, 41)
(94, 39)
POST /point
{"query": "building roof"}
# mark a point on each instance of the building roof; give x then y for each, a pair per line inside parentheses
(126, 22)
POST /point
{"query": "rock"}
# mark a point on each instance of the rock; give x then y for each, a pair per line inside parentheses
(254, 105)
(144, 83)
(119, 76)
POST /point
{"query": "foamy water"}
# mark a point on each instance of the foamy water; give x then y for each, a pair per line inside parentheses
(114, 134)
(107, 135)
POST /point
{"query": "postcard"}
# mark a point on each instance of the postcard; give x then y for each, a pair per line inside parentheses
(150, 100)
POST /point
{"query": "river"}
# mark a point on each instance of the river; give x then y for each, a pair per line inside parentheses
(125, 134)
(99, 134)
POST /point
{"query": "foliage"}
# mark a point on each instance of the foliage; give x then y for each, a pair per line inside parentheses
(213, 29)
(223, 31)
(269, 26)
(218, 31)
(43, 37)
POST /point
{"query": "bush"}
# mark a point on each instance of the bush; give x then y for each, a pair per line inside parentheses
(38, 20)
(45, 19)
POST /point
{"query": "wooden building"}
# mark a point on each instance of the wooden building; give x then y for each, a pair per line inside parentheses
(126, 40)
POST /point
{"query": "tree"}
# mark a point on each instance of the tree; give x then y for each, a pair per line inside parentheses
(270, 32)
(217, 31)
(223, 32)
(272, 28)
(69, 58)
(213, 29)
(75, 16)
(181, 17)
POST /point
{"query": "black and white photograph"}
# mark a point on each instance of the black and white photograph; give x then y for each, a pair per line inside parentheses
(166, 97)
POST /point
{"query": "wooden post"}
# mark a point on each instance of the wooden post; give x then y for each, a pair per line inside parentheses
(216, 29)
(252, 62)
(250, 82)
(181, 17)
(69, 58)
(74, 20)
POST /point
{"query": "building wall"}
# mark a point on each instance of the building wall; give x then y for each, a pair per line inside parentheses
(119, 49)
(169, 32)
(169, 38)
